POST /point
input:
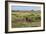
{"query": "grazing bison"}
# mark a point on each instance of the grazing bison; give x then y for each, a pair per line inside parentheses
(23, 20)
(20, 20)
(28, 19)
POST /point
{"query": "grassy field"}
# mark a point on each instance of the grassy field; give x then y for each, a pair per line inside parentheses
(26, 19)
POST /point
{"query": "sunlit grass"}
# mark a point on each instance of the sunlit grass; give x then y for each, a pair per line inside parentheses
(34, 16)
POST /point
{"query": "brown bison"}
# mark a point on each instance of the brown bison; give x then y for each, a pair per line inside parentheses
(20, 20)
(28, 20)
(23, 20)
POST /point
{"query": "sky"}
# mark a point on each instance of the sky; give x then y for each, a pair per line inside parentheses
(25, 8)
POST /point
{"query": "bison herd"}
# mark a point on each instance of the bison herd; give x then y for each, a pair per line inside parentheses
(23, 20)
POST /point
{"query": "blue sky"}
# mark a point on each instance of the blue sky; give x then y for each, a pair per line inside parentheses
(25, 8)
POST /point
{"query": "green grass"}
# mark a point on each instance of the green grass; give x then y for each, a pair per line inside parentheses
(32, 24)
(35, 16)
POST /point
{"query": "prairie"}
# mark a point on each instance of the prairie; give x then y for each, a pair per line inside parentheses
(26, 19)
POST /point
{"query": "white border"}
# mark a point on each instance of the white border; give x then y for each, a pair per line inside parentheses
(10, 29)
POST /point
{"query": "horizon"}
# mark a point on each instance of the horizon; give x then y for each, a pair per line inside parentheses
(35, 8)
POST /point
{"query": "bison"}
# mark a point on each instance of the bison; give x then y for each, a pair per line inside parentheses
(28, 20)
(20, 20)
(23, 20)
